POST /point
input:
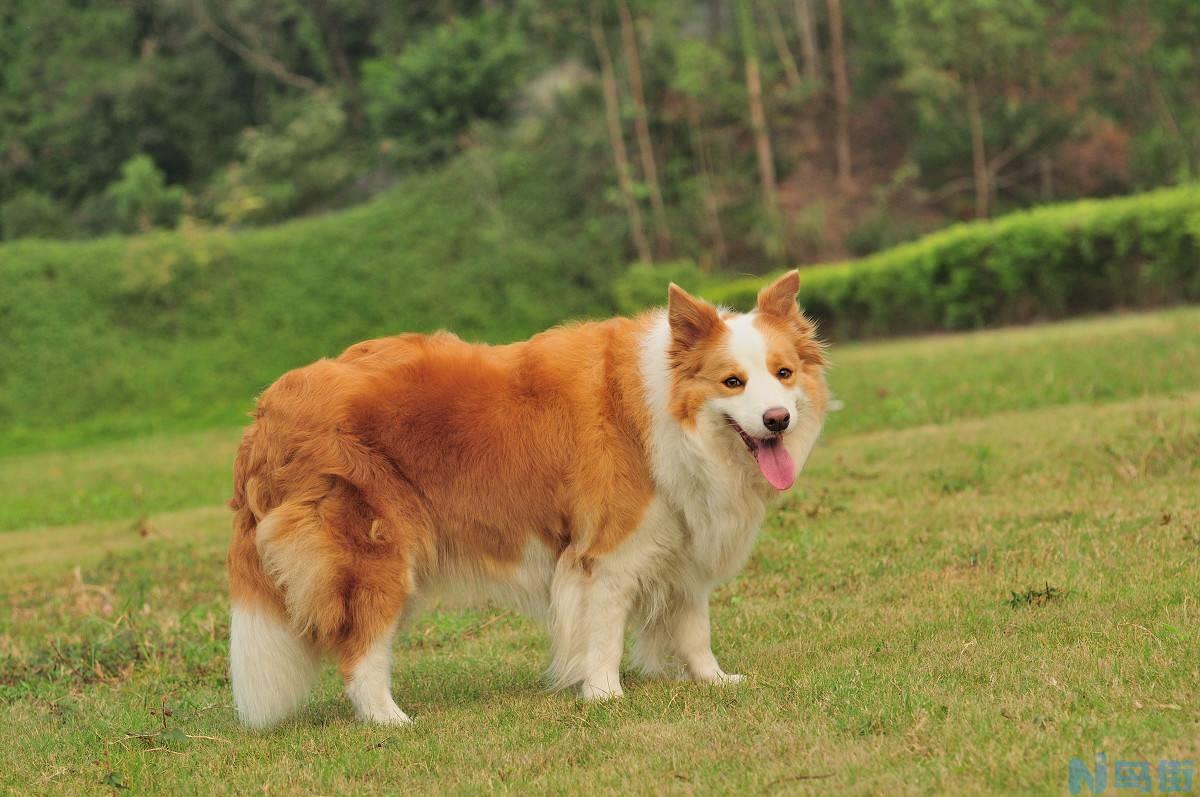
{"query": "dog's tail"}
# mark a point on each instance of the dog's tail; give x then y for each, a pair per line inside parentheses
(271, 664)
(271, 668)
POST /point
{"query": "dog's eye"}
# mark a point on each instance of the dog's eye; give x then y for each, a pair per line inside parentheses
(733, 383)
(783, 373)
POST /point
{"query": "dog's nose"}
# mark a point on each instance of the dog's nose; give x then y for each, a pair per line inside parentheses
(776, 419)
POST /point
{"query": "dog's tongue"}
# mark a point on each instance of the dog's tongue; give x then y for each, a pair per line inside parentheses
(776, 463)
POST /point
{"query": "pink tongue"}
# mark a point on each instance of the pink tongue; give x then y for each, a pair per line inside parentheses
(776, 463)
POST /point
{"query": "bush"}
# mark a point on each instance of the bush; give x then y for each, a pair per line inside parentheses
(1042, 264)
(427, 95)
(142, 199)
(877, 230)
(33, 214)
(645, 285)
(292, 166)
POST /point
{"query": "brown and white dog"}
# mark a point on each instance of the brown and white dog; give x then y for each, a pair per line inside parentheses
(598, 476)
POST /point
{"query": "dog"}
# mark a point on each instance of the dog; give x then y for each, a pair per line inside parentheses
(599, 476)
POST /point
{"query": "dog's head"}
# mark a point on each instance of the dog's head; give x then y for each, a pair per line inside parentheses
(753, 383)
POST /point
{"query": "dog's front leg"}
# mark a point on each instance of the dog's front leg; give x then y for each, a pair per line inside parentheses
(608, 610)
(589, 609)
(692, 633)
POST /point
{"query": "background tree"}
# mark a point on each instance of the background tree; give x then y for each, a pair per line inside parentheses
(758, 123)
(616, 136)
(264, 110)
(662, 231)
(841, 92)
(960, 52)
(142, 198)
(809, 50)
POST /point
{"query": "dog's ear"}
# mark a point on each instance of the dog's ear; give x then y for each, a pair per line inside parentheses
(779, 298)
(691, 319)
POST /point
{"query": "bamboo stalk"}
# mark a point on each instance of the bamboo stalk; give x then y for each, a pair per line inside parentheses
(612, 113)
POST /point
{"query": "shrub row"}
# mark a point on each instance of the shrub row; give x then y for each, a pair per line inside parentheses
(1042, 264)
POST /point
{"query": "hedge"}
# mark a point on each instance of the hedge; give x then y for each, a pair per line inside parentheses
(1048, 263)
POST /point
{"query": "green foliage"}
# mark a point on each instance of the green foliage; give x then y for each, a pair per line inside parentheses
(645, 285)
(429, 94)
(32, 214)
(946, 42)
(878, 229)
(142, 199)
(1047, 263)
(293, 166)
(272, 109)
(85, 87)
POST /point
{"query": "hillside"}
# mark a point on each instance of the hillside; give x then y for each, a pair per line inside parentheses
(182, 329)
(121, 334)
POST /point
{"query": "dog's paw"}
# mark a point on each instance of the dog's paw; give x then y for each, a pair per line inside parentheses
(391, 716)
(593, 693)
(719, 677)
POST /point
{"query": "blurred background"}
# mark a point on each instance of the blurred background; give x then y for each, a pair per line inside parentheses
(248, 185)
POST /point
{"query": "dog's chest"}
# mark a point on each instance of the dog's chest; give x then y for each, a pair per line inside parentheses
(720, 524)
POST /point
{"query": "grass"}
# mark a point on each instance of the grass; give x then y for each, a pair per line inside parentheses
(988, 569)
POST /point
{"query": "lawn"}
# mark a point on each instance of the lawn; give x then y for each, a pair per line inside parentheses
(989, 568)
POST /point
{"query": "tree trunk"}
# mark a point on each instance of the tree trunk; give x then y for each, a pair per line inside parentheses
(808, 39)
(641, 126)
(758, 122)
(612, 112)
(262, 61)
(841, 92)
(341, 64)
(782, 50)
(712, 215)
(715, 16)
(1046, 178)
(983, 188)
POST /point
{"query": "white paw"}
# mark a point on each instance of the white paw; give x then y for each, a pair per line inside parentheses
(386, 715)
(718, 677)
(604, 691)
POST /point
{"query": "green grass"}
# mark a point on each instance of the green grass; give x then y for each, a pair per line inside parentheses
(988, 569)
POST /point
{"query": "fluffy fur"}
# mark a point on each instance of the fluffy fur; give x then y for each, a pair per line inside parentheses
(601, 477)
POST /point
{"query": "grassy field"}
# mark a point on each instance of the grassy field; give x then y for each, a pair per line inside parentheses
(989, 568)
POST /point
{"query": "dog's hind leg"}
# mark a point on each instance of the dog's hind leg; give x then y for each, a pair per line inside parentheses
(368, 677)
(653, 649)
(375, 588)
(344, 579)
(604, 624)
